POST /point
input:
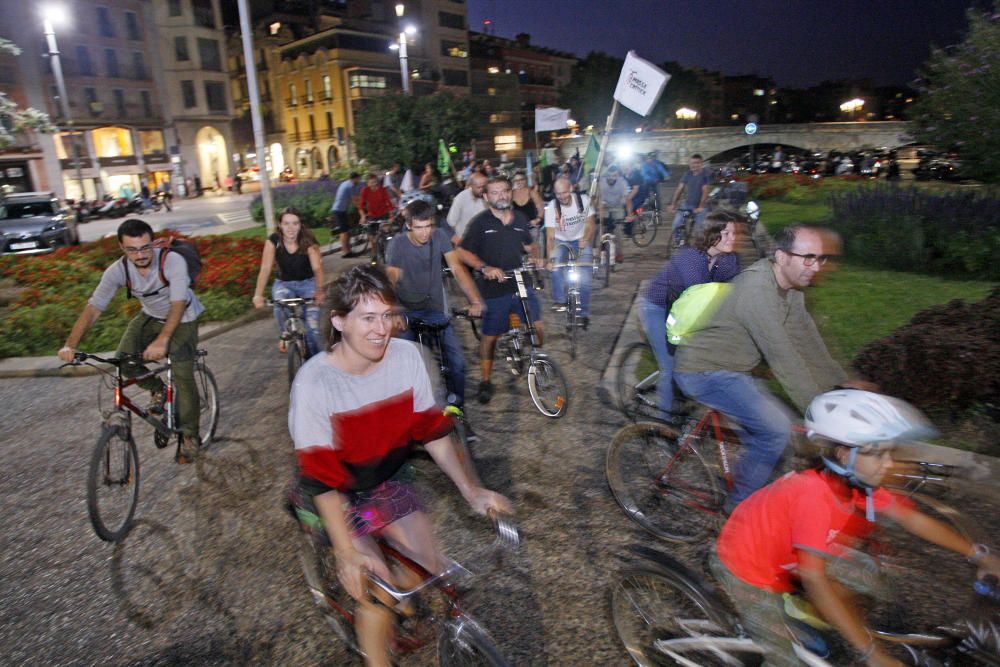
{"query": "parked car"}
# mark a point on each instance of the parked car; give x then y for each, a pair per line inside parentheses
(33, 223)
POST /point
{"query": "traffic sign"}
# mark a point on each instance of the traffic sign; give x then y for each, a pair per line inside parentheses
(750, 128)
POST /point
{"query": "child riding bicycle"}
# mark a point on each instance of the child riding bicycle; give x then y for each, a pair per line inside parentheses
(802, 529)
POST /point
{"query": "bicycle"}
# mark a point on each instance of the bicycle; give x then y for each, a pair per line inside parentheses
(635, 382)
(381, 231)
(114, 464)
(664, 613)
(294, 332)
(681, 236)
(433, 605)
(357, 237)
(604, 261)
(666, 480)
(646, 221)
(546, 382)
(574, 308)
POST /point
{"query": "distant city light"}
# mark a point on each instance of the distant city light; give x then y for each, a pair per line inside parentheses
(851, 106)
(493, 70)
(686, 114)
(758, 92)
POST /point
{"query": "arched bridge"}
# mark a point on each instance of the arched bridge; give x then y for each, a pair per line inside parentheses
(676, 146)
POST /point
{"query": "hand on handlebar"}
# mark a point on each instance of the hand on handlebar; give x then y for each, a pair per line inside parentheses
(67, 354)
(493, 273)
(353, 567)
(259, 301)
(483, 500)
(476, 309)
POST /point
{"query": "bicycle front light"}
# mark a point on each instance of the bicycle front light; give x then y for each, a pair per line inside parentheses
(573, 275)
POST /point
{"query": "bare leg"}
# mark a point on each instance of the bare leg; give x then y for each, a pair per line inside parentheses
(345, 243)
(373, 622)
(539, 333)
(486, 347)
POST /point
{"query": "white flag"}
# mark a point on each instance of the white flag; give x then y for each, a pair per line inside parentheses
(550, 118)
(640, 84)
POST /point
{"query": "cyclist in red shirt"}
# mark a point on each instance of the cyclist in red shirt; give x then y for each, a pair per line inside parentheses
(374, 202)
(803, 528)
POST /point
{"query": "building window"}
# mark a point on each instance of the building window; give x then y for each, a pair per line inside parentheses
(151, 142)
(293, 94)
(204, 17)
(187, 90)
(132, 26)
(139, 66)
(119, 96)
(83, 62)
(309, 90)
(104, 26)
(147, 103)
(329, 123)
(215, 95)
(505, 142)
(181, 49)
(312, 127)
(113, 141)
(366, 81)
(449, 20)
(111, 63)
(208, 51)
(491, 92)
(93, 104)
(455, 77)
(174, 7)
(327, 90)
(454, 49)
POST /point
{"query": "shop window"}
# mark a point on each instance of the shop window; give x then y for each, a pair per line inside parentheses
(112, 141)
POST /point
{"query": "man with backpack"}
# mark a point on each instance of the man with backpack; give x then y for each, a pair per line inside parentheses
(569, 227)
(161, 279)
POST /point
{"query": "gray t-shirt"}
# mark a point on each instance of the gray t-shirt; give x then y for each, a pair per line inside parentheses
(693, 183)
(613, 196)
(154, 296)
(421, 265)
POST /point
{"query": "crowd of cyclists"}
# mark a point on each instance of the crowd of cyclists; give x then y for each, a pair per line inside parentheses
(364, 397)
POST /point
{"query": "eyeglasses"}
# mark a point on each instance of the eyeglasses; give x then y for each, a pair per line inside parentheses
(811, 258)
(137, 251)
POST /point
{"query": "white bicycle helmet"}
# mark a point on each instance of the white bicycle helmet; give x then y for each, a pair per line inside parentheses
(858, 418)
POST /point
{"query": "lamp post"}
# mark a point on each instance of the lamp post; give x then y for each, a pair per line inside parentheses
(50, 14)
(851, 107)
(404, 67)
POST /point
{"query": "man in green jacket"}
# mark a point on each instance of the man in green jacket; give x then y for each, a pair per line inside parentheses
(763, 319)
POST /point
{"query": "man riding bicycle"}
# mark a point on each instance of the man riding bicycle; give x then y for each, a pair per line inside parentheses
(569, 226)
(764, 318)
(694, 187)
(374, 203)
(616, 203)
(804, 529)
(355, 411)
(166, 325)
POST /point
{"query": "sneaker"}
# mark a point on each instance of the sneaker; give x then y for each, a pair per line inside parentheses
(558, 308)
(584, 322)
(485, 394)
(187, 449)
(158, 401)
(282, 346)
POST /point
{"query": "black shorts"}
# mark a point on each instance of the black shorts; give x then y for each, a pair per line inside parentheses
(340, 222)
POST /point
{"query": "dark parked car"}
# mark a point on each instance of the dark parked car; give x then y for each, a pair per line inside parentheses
(33, 223)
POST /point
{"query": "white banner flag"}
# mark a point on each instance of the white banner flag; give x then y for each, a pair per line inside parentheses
(640, 84)
(550, 118)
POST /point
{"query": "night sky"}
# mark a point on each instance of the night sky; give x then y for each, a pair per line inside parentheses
(798, 42)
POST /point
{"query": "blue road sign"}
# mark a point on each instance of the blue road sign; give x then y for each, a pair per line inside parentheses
(750, 128)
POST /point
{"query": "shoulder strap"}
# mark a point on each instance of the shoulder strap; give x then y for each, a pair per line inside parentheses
(579, 202)
(163, 260)
(128, 279)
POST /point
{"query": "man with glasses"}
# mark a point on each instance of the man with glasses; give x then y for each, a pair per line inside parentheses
(764, 318)
(166, 325)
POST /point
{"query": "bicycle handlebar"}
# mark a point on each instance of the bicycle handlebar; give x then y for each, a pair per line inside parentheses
(507, 538)
(294, 301)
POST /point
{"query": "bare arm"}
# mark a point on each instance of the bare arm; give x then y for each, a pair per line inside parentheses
(465, 281)
(80, 328)
(316, 262)
(266, 265)
(394, 273)
(704, 197)
(677, 195)
(462, 473)
(351, 563)
(550, 242)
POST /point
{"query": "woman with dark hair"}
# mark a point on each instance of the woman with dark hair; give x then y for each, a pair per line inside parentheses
(429, 180)
(355, 413)
(300, 272)
(709, 258)
(527, 200)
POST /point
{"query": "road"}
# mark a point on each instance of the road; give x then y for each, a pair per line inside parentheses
(202, 215)
(209, 575)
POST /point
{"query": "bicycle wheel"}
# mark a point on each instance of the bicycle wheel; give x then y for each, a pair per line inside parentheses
(635, 382)
(548, 388)
(652, 604)
(462, 641)
(663, 483)
(113, 484)
(643, 232)
(358, 240)
(572, 322)
(320, 570)
(606, 252)
(295, 354)
(208, 404)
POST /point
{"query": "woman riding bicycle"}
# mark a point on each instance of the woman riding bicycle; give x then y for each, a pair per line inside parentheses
(300, 270)
(802, 528)
(709, 258)
(355, 411)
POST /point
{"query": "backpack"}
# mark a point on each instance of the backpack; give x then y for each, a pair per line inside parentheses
(693, 310)
(182, 247)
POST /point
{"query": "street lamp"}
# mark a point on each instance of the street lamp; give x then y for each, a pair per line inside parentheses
(851, 107)
(404, 68)
(51, 14)
(686, 114)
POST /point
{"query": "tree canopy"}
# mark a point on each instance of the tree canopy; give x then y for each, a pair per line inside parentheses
(13, 119)
(407, 128)
(959, 103)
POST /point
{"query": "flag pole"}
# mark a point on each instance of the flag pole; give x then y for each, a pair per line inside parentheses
(604, 148)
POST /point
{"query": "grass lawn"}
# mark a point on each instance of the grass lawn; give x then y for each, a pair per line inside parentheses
(778, 214)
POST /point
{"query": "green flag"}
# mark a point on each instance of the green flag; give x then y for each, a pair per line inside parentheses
(590, 157)
(444, 159)
(543, 158)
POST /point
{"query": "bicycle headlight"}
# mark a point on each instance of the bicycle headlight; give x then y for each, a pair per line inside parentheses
(573, 275)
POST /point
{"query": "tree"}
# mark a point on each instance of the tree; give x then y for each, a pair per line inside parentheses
(406, 128)
(13, 119)
(959, 97)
